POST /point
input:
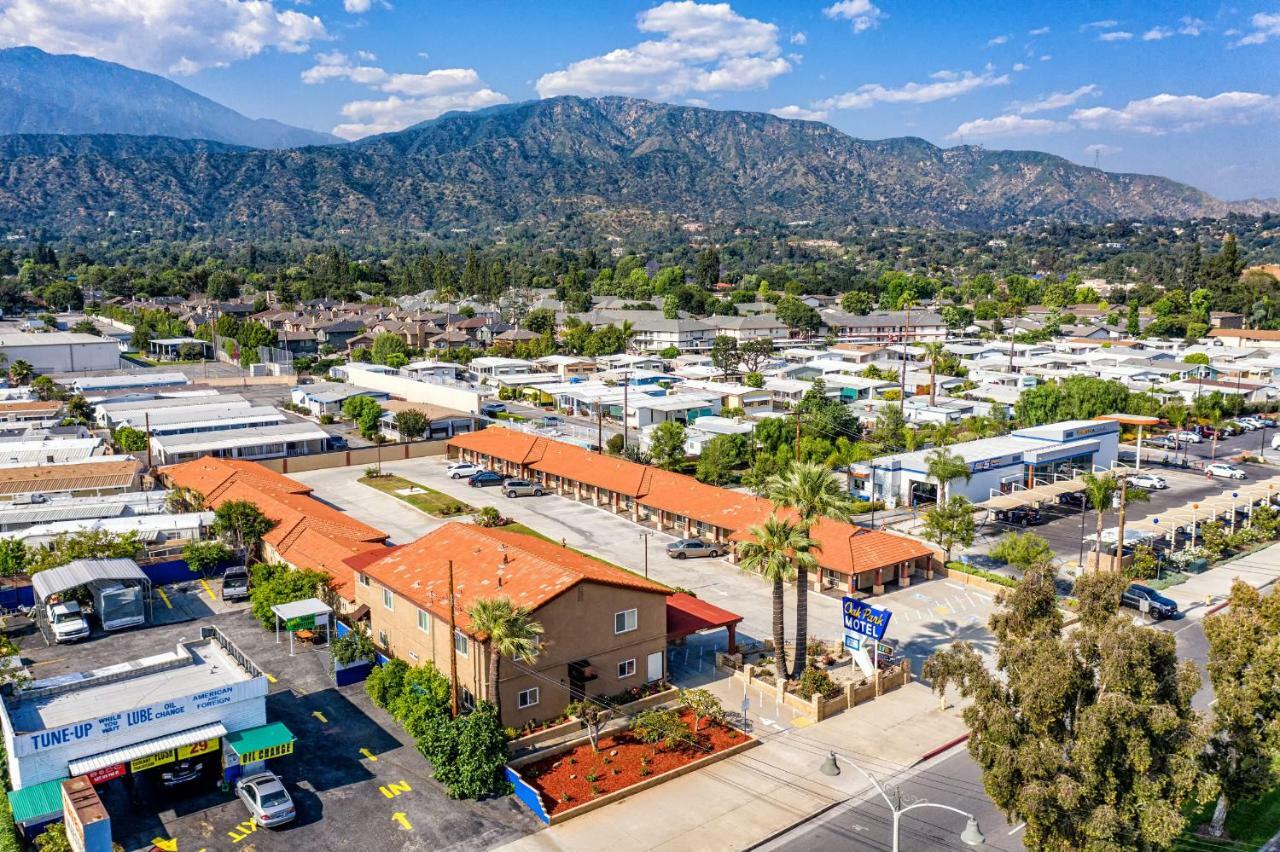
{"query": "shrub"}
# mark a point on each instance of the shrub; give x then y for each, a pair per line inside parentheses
(998, 579)
(283, 585)
(204, 556)
(326, 419)
(488, 517)
(663, 727)
(385, 682)
(615, 444)
(816, 682)
(467, 753)
(354, 647)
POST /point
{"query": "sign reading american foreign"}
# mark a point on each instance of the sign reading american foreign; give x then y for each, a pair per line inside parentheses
(865, 619)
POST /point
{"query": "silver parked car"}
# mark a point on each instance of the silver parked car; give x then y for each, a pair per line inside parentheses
(522, 488)
(269, 803)
(686, 547)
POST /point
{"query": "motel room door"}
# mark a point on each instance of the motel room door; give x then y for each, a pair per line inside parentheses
(654, 667)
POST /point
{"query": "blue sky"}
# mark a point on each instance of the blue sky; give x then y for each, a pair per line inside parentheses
(1188, 90)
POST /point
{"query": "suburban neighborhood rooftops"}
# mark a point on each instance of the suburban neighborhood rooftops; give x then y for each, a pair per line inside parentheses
(120, 472)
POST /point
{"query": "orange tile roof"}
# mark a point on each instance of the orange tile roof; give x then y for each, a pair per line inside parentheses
(19, 406)
(534, 572)
(686, 496)
(307, 534)
(1246, 333)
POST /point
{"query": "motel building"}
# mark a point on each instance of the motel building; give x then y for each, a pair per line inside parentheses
(200, 708)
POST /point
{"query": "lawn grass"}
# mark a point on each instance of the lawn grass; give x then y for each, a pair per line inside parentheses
(428, 500)
(1249, 824)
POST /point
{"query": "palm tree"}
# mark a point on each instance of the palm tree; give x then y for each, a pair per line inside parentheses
(508, 631)
(20, 372)
(628, 329)
(906, 303)
(1101, 490)
(944, 434)
(812, 491)
(934, 353)
(942, 466)
(774, 551)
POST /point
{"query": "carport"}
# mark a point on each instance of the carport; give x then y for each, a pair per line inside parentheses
(1210, 508)
(687, 615)
(303, 617)
(86, 572)
(1139, 420)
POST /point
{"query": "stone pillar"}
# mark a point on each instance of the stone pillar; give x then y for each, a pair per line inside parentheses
(904, 575)
(877, 588)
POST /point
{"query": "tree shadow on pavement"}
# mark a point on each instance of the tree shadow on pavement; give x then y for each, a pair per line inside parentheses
(942, 634)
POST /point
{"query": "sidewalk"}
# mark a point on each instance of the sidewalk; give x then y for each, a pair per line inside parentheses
(1202, 591)
(754, 795)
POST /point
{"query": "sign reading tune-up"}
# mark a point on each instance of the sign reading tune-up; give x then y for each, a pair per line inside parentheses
(865, 619)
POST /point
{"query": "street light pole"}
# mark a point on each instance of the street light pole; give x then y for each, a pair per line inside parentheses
(644, 536)
(971, 836)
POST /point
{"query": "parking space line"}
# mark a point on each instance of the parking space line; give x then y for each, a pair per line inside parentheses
(164, 597)
(208, 589)
(270, 677)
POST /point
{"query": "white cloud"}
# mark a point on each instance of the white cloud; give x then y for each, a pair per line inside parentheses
(1020, 66)
(1115, 35)
(697, 102)
(703, 48)
(863, 14)
(1157, 34)
(1266, 26)
(1008, 125)
(367, 56)
(1046, 57)
(1099, 25)
(793, 111)
(949, 86)
(1189, 26)
(168, 36)
(1058, 100)
(425, 96)
(1167, 113)
(1102, 150)
(357, 7)
(997, 40)
(1038, 31)
(799, 38)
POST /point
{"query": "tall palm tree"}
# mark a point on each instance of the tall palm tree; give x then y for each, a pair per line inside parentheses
(628, 329)
(941, 465)
(20, 372)
(774, 551)
(813, 492)
(906, 303)
(933, 353)
(1101, 490)
(509, 632)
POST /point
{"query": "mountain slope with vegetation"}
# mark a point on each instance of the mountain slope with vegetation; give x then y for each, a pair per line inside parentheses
(609, 161)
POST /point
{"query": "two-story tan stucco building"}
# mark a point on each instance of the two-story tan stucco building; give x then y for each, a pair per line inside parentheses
(605, 629)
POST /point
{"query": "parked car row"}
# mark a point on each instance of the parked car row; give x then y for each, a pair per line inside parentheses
(478, 477)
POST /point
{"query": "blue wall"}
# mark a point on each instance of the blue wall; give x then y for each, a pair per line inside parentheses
(17, 597)
(530, 797)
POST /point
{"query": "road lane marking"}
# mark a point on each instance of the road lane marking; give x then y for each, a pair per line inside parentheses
(400, 817)
(270, 677)
(320, 716)
(164, 597)
(1017, 828)
(169, 844)
(369, 754)
(209, 589)
(395, 788)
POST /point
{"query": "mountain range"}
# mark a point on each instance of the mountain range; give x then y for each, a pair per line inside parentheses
(64, 93)
(609, 161)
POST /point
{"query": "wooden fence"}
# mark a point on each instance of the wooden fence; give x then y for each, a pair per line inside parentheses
(362, 456)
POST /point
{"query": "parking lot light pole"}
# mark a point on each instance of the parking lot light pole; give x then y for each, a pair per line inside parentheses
(971, 836)
(644, 537)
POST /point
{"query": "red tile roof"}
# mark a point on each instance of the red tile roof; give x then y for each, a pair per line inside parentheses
(534, 572)
(687, 614)
(683, 495)
(308, 533)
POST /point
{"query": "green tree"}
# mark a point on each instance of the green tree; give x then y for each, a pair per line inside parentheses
(662, 727)
(942, 466)
(755, 353)
(705, 707)
(950, 523)
(1132, 326)
(242, 524)
(386, 345)
(84, 326)
(541, 321)
(666, 445)
(773, 551)
(13, 557)
(889, 431)
(720, 457)
(130, 440)
(54, 839)
(182, 500)
(365, 412)
(20, 372)
(724, 355)
(86, 544)
(1023, 551)
(1196, 358)
(203, 556)
(411, 423)
(798, 316)
(935, 354)
(1244, 668)
(1100, 490)
(508, 631)
(857, 302)
(1089, 738)
(813, 492)
(468, 753)
(274, 584)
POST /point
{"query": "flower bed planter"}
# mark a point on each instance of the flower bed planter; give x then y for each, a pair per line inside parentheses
(563, 790)
(554, 732)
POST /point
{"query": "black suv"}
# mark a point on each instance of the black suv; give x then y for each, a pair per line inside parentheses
(1160, 606)
(1021, 516)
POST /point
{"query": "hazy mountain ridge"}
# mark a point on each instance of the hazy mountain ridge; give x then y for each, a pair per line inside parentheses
(567, 156)
(68, 94)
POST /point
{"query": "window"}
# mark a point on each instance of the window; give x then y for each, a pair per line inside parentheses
(527, 698)
(424, 622)
(460, 642)
(388, 599)
(468, 700)
(625, 621)
(382, 638)
(627, 668)
(362, 579)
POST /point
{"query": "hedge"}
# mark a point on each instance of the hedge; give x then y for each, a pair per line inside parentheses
(998, 579)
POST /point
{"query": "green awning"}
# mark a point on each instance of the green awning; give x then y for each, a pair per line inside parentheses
(261, 743)
(34, 804)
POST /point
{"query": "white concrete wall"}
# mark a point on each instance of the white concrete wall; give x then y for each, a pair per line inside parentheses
(402, 387)
(66, 357)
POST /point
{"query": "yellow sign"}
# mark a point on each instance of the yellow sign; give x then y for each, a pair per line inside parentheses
(265, 753)
(197, 749)
(158, 759)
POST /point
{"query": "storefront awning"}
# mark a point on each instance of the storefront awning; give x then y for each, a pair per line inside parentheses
(37, 803)
(262, 742)
(148, 747)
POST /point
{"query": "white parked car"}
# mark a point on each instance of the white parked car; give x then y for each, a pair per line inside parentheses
(1149, 481)
(1227, 471)
(1275, 442)
(1187, 438)
(1251, 421)
(462, 470)
(269, 803)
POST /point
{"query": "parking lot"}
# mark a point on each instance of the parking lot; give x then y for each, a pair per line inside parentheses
(357, 781)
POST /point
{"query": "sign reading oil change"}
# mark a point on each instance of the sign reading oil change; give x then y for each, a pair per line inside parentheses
(265, 753)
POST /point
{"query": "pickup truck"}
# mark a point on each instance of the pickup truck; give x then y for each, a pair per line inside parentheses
(67, 622)
(235, 583)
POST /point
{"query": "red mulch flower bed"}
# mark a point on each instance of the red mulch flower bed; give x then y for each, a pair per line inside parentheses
(618, 764)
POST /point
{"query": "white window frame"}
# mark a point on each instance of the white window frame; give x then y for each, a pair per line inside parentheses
(424, 621)
(629, 616)
(383, 639)
(362, 579)
(466, 644)
(527, 698)
(388, 599)
(630, 665)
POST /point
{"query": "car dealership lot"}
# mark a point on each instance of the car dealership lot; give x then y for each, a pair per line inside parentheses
(352, 770)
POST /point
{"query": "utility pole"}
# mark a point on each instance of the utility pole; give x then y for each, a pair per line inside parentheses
(644, 536)
(453, 651)
(599, 427)
(146, 421)
(626, 381)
